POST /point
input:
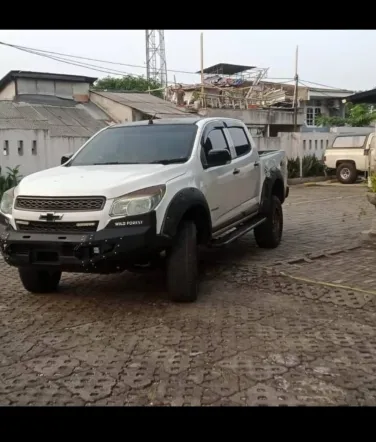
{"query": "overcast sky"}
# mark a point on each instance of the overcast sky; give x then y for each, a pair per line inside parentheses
(343, 59)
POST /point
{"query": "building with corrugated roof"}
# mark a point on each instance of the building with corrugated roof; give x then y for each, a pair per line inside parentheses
(43, 116)
(126, 106)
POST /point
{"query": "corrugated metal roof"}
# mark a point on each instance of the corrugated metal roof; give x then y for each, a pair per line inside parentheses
(81, 120)
(226, 69)
(145, 103)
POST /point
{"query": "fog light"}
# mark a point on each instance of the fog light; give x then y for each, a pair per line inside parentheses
(96, 251)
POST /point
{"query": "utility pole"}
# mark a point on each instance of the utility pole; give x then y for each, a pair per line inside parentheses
(202, 68)
(296, 78)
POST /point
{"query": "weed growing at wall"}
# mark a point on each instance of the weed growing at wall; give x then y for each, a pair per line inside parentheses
(373, 182)
(311, 166)
(9, 179)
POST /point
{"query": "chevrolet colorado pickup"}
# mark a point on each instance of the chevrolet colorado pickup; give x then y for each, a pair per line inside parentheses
(140, 193)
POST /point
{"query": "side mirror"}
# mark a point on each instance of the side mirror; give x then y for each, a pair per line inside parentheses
(65, 158)
(218, 157)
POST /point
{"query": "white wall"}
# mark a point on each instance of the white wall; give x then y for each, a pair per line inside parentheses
(118, 112)
(8, 92)
(256, 116)
(358, 130)
(28, 162)
(297, 144)
(49, 150)
(59, 146)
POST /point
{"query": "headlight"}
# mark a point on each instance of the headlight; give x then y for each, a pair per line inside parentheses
(139, 202)
(7, 201)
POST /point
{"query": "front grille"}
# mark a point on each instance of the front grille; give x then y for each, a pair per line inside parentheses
(56, 227)
(60, 204)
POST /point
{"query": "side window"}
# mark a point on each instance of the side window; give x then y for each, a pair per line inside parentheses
(241, 143)
(215, 140)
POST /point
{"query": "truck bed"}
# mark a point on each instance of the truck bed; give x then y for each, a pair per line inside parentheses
(266, 152)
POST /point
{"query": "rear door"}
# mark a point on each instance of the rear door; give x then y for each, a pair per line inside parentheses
(246, 166)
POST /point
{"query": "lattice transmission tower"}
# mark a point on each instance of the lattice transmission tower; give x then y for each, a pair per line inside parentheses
(156, 67)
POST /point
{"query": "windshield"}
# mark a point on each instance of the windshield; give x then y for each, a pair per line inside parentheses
(149, 144)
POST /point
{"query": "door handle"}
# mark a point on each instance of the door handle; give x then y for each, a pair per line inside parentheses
(256, 164)
(236, 171)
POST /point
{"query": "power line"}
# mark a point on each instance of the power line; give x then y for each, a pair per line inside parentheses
(43, 51)
(83, 65)
(60, 57)
(27, 49)
(324, 93)
(323, 85)
(80, 64)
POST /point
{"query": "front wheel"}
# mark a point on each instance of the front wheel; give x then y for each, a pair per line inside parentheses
(269, 234)
(182, 265)
(39, 281)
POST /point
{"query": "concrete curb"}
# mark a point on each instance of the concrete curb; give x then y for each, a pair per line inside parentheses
(335, 183)
(311, 179)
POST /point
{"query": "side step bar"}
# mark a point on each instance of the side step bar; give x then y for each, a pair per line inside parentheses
(234, 234)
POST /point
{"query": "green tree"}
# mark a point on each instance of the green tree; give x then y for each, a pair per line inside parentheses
(129, 83)
(357, 115)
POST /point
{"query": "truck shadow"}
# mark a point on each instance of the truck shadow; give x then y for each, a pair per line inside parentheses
(151, 285)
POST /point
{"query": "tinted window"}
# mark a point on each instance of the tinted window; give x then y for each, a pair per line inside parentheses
(215, 140)
(350, 141)
(147, 144)
(240, 139)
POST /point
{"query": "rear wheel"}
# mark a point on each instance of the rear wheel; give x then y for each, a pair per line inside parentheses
(346, 173)
(182, 265)
(39, 281)
(269, 234)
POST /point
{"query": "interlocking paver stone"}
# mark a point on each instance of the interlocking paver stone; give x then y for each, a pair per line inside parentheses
(256, 335)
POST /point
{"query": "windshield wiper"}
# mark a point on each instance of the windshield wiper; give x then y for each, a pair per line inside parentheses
(172, 161)
(110, 163)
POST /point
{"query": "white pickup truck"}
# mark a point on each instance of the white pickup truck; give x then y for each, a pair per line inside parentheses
(140, 192)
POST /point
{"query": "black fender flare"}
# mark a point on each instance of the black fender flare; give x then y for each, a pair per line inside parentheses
(185, 200)
(274, 175)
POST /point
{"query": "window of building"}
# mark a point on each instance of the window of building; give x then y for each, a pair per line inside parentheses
(311, 114)
(34, 147)
(20, 147)
(241, 143)
(6, 148)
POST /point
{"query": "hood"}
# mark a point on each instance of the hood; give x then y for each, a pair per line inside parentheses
(109, 181)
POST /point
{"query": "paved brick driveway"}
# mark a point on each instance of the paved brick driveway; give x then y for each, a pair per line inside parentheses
(254, 337)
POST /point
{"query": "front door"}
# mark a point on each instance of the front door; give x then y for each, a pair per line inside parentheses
(218, 183)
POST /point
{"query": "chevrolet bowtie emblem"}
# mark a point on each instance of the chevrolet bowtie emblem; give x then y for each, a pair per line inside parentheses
(50, 217)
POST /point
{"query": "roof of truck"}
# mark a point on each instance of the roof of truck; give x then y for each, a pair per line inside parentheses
(186, 120)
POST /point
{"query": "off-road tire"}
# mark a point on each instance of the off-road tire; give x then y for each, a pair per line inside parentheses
(39, 281)
(268, 235)
(182, 265)
(346, 173)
